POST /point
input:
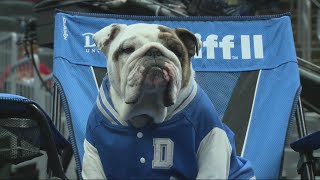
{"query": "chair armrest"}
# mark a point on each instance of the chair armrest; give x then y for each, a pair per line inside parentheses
(13, 106)
(307, 143)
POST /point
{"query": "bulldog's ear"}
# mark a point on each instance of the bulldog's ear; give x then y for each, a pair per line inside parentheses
(191, 42)
(105, 36)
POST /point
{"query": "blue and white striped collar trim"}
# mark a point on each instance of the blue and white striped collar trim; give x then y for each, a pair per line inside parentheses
(185, 102)
(106, 107)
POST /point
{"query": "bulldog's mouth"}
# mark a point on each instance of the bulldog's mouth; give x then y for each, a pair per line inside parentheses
(156, 78)
(153, 78)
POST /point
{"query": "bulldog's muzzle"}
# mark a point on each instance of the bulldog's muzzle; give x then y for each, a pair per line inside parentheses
(154, 70)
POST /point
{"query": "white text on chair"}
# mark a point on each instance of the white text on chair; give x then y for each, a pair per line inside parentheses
(227, 43)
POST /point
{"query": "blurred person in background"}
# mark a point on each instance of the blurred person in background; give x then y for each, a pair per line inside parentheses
(25, 72)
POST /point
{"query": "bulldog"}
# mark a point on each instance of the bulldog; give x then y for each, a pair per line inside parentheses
(149, 69)
(151, 119)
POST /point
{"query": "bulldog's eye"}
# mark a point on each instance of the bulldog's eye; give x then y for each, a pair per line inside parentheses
(176, 51)
(128, 50)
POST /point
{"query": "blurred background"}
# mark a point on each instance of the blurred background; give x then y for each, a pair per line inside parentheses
(26, 27)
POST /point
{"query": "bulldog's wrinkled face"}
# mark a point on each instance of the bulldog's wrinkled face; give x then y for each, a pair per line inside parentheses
(147, 59)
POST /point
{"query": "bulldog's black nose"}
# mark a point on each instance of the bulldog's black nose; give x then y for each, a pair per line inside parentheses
(153, 52)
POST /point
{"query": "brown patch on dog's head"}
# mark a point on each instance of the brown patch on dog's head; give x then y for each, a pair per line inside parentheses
(184, 44)
(189, 40)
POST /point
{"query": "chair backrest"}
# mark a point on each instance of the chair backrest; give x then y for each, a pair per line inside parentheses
(247, 66)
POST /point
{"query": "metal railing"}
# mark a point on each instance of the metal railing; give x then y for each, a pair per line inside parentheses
(8, 50)
(304, 27)
(305, 14)
(29, 87)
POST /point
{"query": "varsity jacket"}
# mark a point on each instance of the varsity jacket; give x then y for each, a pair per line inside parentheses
(192, 144)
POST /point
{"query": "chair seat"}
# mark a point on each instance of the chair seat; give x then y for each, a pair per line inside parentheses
(16, 106)
(307, 143)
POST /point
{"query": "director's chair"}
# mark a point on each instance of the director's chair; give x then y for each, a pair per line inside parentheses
(247, 66)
